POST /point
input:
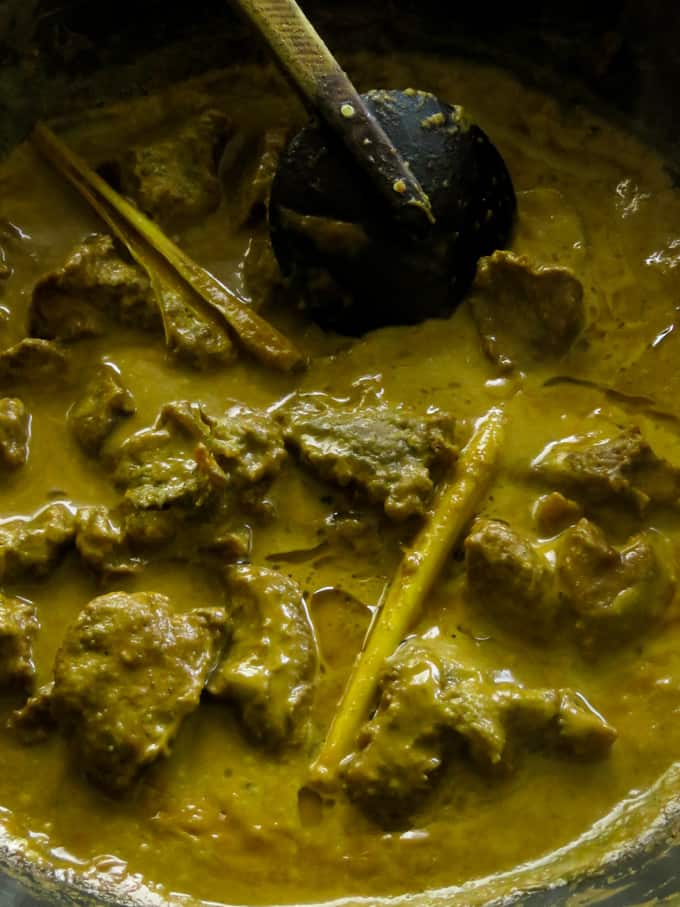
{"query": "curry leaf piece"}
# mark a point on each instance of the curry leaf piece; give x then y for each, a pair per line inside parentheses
(454, 505)
(160, 256)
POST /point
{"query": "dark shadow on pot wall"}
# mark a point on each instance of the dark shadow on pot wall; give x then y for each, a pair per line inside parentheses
(58, 55)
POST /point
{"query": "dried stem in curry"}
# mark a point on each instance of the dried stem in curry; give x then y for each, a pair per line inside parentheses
(166, 264)
(453, 507)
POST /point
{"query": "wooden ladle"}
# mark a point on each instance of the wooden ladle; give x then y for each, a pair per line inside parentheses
(382, 205)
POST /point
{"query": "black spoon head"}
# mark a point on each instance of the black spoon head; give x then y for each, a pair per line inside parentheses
(351, 266)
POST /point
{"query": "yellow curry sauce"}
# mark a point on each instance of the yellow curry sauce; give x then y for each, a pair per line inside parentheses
(222, 819)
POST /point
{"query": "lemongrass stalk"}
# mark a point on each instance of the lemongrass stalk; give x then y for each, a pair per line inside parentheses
(454, 505)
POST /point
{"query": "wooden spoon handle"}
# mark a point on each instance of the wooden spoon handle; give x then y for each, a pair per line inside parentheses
(325, 87)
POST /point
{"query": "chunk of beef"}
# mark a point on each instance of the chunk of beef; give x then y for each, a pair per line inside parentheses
(188, 455)
(35, 545)
(581, 730)
(200, 339)
(156, 471)
(34, 721)
(386, 453)
(213, 533)
(15, 430)
(432, 709)
(102, 543)
(105, 401)
(32, 362)
(150, 529)
(250, 164)
(188, 479)
(613, 595)
(18, 628)
(525, 312)
(247, 445)
(174, 179)
(509, 578)
(623, 468)
(94, 281)
(127, 674)
(269, 669)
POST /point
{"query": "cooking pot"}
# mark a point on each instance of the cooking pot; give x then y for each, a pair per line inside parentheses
(623, 58)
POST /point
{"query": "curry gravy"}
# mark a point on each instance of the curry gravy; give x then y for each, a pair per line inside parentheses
(221, 819)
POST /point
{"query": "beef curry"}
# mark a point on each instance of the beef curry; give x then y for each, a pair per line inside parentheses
(193, 545)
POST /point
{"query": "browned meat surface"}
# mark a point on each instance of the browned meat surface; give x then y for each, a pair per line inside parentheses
(246, 444)
(621, 468)
(102, 543)
(33, 362)
(433, 709)
(94, 282)
(18, 628)
(33, 722)
(512, 580)
(187, 456)
(36, 545)
(127, 674)
(525, 312)
(614, 595)
(104, 402)
(15, 431)
(174, 179)
(388, 454)
(98, 282)
(269, 669)
(604, 595)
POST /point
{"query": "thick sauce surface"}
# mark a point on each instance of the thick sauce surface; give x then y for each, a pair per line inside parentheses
(222, 819)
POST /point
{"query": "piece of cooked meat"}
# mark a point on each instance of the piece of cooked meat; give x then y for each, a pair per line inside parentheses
(104, 402)
(15, 430)
(613, 595)
(580, 584)
(35, 546)
(98, 282)
(156, 470)
(622, 468)
(525, 312)
(34, 721)
(269, 668)
(102, 542)
(188, 456)
(509, 578)
(198, 337)
(246, 444)
(174, 179)
(33, 362)
(127, 674)
(386, 453)
(18, 628)
(433, 709)
(95, 281)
